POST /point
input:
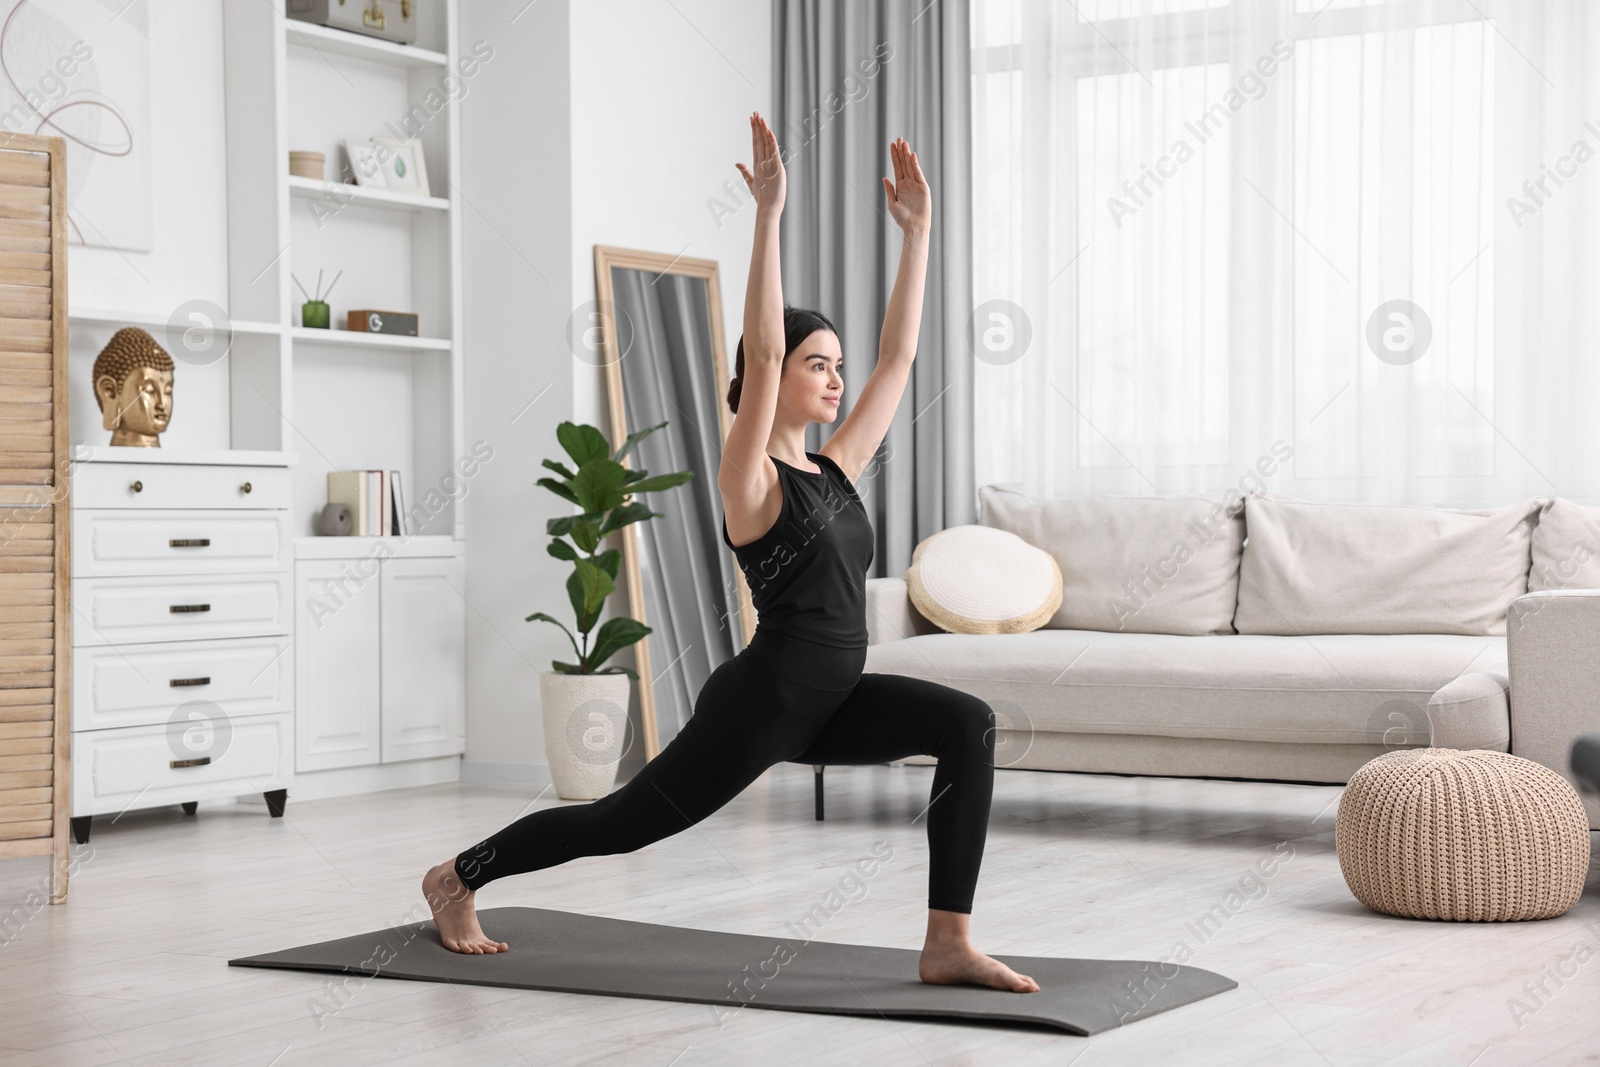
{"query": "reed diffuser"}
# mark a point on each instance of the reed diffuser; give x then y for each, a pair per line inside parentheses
(314, 312)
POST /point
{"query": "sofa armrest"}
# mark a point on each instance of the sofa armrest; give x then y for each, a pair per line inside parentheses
(1552, 638)
(1472, 712)
(890, 613)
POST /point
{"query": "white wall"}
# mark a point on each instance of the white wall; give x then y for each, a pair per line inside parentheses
(189, 255)
(517, 290)
(661, 95)
(643, 135)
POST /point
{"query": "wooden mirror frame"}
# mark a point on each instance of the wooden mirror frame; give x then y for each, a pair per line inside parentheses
(605, 258)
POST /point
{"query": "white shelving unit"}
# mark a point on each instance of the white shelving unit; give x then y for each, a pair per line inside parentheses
(345, 399)
(380, 629)
(334, 196)
(357, 339)
(236, 457)
(331, 42)
(363, 547)
(151, 321)
(317, 400)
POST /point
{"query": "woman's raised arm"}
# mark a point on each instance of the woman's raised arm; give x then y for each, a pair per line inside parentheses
(743, 475)
(911, 206)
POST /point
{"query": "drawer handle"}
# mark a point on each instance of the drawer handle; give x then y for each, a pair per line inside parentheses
(137, 487)
(198, 761)
(178, 608)
(202, 680)
(188, 542)
(245, 488)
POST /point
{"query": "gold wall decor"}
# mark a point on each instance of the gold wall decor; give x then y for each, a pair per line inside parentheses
(133, 386)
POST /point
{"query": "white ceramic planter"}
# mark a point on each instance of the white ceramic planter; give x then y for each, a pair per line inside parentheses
(585, 726)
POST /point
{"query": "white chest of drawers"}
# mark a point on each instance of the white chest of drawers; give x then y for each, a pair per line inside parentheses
(183, 645)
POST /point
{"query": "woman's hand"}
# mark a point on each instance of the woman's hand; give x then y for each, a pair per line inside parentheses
(910, 202)
(769, 181)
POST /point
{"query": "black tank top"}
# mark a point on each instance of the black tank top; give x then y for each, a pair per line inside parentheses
(808, 573)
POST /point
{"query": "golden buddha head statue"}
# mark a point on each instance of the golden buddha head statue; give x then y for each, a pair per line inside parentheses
(133, 386)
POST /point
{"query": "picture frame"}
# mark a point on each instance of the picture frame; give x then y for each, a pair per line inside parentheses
(405, 168)
(366, 166)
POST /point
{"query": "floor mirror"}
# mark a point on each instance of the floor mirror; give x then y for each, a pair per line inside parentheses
(660, 321)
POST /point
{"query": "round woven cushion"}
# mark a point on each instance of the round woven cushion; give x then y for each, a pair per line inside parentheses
(1439, 833)
(980, 580)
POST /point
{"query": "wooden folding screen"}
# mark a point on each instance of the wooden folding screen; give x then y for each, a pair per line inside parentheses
(35, 484)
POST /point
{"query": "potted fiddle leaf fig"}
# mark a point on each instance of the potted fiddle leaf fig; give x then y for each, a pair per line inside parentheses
(584, 704)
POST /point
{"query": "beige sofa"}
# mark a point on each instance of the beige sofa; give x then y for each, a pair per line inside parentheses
(1327, 636)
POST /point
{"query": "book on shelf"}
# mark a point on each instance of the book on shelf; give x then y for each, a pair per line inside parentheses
(375, 499)
(399, 510)
(347, 488)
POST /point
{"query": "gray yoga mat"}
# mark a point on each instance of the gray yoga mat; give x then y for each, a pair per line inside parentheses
(560, 950)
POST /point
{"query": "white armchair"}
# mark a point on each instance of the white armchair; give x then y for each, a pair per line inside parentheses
(1553, 655)
(890, 613)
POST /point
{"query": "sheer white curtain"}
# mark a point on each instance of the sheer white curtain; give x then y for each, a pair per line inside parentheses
(1270, 243)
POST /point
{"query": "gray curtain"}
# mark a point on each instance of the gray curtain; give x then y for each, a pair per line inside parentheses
(850, 77)
(685, 569)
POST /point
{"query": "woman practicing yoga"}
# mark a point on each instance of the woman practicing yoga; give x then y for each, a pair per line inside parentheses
(797, 691)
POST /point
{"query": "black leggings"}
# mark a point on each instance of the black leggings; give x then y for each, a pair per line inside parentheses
(781, 698)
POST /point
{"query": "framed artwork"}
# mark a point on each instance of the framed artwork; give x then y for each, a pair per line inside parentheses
(404, 169)
(80, 70)
(365, 163)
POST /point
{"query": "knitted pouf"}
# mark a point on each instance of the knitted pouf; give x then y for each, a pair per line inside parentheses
(1439, 833)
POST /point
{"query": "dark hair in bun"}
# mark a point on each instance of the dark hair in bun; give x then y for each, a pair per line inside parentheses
(798, 324)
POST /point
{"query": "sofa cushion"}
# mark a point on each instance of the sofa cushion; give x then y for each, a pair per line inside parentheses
(1474, 711)
(980, 580)
(1369, 569)
(1566, 547)
(1132, 564)
(1342, 688)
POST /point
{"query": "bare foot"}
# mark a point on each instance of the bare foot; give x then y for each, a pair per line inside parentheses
(948, 957)
(948, 963)
(454, 913)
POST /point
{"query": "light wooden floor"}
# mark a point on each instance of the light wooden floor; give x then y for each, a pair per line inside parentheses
(134, 968)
